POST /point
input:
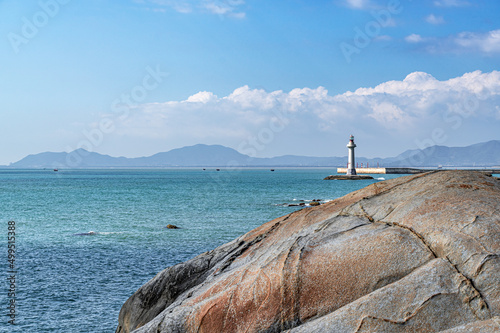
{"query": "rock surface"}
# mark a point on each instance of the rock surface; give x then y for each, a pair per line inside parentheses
(171, 226)
(413, 254)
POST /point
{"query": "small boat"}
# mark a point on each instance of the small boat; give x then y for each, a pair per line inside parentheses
(56, 170)
(272, 169)
(217, 169)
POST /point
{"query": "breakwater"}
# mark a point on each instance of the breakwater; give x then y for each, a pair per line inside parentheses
(401, 171)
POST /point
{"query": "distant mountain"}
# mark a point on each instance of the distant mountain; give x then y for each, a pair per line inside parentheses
(79, 158)
(481, 154)
(197, 155)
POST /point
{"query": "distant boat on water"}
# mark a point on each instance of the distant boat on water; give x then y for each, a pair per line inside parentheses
(56, 169)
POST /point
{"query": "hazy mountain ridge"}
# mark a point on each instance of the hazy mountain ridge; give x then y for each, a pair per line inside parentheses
(481, 154)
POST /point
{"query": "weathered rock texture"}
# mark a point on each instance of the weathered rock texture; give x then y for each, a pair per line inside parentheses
(412, 254)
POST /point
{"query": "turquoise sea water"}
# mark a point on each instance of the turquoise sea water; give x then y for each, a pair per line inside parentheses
(66, 282)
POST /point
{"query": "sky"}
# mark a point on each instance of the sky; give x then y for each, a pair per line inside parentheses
(267, 78)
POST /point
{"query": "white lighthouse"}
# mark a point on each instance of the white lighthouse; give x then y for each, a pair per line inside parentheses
(351, 170)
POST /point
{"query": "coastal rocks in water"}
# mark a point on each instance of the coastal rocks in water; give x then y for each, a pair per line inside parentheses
(412, 254)
(90, 233)
(171, 226)
(302, 203)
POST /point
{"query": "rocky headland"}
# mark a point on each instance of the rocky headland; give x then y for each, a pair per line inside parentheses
(413, 254)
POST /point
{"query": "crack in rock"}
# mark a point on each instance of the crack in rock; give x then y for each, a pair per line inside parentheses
(398, 322)
(470, 294)
(486, 258)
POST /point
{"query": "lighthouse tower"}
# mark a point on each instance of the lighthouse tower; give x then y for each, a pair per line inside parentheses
(351, 170)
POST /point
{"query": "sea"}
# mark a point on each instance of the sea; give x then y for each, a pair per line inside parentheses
(86, 240)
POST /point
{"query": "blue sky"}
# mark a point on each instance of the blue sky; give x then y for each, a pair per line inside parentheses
(136, 77)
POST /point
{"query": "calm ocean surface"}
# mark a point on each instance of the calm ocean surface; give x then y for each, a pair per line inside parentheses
(67, 282)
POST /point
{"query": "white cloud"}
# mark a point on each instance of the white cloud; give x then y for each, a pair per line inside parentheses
(358, 4)
(355, 3)
(451, 3)
(436, 20)
(225, 8)
(487, 43)
(389, 115)
(416, 81)
(414, 38)
(202, 97)
(229, 8)
(368, 5)
(395, 110)
(183, 8)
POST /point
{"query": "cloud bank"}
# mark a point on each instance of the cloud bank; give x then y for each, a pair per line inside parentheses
(394, 110)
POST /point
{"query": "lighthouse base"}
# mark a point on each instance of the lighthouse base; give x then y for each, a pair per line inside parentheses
(351, 172)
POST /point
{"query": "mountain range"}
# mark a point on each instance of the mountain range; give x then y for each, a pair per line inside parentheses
(478, 155)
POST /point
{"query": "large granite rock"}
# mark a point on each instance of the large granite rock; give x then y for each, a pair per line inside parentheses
(412, 254)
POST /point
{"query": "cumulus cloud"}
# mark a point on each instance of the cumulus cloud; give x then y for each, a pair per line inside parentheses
(388, 114)
(433, 19)
(487, 43)
(225, 8)
(229, 8)
(414, 38)
(202, 97)
(400, 110)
